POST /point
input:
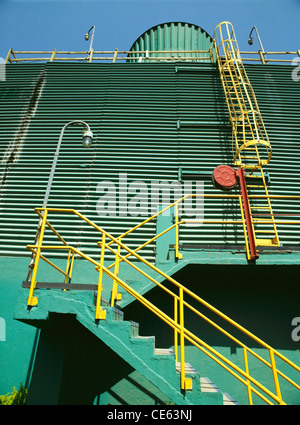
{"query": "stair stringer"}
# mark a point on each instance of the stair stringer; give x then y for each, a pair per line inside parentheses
(138, 352)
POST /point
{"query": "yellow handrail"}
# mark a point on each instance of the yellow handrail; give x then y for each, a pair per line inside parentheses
(114, 55)
(109, 55)
(176, 323)
(210, 196)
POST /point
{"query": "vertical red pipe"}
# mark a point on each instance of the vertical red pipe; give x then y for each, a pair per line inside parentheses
(243, 188)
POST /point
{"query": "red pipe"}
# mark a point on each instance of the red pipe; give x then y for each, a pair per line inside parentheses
(243, 189)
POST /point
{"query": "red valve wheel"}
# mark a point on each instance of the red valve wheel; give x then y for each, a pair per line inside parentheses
(224, 177)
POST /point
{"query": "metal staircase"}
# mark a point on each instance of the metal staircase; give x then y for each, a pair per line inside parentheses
(184, 302)
(250, 143)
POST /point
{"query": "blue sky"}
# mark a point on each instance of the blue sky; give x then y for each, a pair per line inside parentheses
(61, 24)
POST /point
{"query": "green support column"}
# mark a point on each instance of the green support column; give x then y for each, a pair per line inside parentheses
(163, 243)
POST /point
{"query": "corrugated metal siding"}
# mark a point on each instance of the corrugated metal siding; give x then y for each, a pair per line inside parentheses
(17, 92)
(278, 96)
(133, 110)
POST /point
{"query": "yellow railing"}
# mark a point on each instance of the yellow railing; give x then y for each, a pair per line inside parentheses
(179, 294)
(178, 222)
(17, 56)
(22, 56)
(287, 57)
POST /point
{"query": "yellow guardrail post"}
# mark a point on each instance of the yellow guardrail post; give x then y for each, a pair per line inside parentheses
(115, 55)
(100, 313)
(177, 253)
(275, 376)
(71, 266)
(68, 266)
(8, 56)
(186, 384)
(114, 292)
(53, 55)
(32, 301)
(248, 382)
(175, 330)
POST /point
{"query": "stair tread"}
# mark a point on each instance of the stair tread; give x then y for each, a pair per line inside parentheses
(187, 366)
(208, 386)
(143, 337)
(164, 351)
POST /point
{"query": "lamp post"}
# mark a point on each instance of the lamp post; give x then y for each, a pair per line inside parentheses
(250, 42)
(87, 140)
(87, 36)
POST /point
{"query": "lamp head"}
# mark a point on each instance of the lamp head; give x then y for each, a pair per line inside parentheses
(250, 41)
(87, 36)
(87, 139)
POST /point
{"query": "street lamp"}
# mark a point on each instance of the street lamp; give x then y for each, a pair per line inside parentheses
(87, 140)
(87, 36)
(250, 39)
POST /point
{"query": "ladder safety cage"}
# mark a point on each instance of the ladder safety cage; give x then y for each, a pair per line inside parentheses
(250, 143)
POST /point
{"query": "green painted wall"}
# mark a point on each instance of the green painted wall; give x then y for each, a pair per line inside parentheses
(17, 348)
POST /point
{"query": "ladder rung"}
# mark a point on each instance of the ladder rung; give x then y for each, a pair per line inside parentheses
(253, 176)
(245, 132)
(265, 231)
(259, 208)
(265, 220)
(267, 242)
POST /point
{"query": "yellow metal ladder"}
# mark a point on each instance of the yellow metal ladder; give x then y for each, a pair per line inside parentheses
(250, 144)
(264, 225)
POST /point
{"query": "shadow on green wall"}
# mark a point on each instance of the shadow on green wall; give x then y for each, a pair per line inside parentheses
(73, 367)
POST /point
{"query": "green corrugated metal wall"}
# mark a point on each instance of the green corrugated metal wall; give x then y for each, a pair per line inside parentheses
(133, 110)
(278, 97)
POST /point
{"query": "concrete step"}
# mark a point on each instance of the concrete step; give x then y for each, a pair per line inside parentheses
(164, 352)
(208, 386)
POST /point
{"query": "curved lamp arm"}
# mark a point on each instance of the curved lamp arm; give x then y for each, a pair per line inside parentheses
(250, 39)
(87, 141)
(87, 36)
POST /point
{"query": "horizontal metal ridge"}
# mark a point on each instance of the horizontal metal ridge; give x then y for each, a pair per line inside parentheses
(65, 286)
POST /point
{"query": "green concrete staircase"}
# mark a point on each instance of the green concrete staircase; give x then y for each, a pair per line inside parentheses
(156, 364)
